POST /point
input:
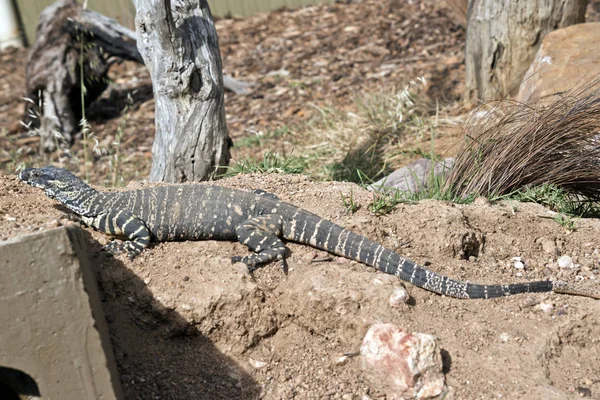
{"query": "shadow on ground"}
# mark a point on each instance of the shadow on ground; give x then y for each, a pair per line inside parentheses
(158, 353)
(115, 100)
(364, 161)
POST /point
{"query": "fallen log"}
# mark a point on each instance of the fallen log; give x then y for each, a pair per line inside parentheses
(74, 47)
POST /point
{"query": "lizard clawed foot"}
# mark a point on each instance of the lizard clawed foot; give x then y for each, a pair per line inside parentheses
(115, 247)
(246, 260)
(253, 265)
(284, 266)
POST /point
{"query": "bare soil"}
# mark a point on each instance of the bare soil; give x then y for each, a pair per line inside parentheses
(186, 324)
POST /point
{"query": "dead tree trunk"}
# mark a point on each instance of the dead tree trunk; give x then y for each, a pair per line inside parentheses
(181, 51)
(503, 37)
(459, 10)
(54, 67)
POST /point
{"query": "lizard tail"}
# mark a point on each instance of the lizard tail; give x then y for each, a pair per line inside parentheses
(429, 280)
(326, 235)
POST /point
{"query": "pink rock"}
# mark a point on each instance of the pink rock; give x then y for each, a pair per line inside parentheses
(567, 57)
(408, 364)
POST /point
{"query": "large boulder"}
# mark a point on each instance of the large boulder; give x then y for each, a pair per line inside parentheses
(566, 58)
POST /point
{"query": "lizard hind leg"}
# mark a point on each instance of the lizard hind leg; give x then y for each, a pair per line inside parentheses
(261, 235)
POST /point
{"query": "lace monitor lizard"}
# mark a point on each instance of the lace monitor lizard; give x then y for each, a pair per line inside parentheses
(257, 220)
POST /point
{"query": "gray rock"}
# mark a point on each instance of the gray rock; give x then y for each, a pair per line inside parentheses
(414, 177)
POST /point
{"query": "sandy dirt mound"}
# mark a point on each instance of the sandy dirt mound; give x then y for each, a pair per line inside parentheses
(186, 323)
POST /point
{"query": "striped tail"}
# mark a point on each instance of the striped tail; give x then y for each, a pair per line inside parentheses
(305, 227)
(421, 277)
(392, 263)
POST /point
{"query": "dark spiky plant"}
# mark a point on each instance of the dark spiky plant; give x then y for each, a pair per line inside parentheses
(550, 141)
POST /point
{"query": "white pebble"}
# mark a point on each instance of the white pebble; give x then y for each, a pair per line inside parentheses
(516, 259)
(546, 307)
(519, 265)
(399, 297)
(256, 363)
(342, 360)
(565, 262)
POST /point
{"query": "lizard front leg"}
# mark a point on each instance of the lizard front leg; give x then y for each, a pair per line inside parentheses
(122, 224)
(261, 235)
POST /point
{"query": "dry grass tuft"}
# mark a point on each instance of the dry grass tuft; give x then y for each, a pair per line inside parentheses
(383, 132)
(554, 140)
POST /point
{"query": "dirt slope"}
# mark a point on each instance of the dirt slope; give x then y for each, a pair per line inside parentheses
(186, 324)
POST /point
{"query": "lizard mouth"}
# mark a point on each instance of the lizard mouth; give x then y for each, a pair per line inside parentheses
(36, 184)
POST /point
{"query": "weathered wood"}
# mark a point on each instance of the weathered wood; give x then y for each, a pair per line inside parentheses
(179, 44)
(53, 73)
(459, 9)
(503, 37)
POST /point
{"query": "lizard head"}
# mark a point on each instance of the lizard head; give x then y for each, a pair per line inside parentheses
(58, 183)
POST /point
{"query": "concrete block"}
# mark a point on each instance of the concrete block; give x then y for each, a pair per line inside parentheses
(53, 329)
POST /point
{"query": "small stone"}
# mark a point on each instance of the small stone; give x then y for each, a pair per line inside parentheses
(505, 337)
(546, 307)
(482, 201)
(342, 360)
(53, 224)
(548, 246)
(408, 364)
(399, 297)
(257, 363)
(565, 262)
(519, 265)
(186, 278)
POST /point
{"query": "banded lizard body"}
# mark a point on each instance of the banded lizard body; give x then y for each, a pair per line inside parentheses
(259, 221)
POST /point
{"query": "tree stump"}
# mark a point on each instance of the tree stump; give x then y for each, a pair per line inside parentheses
(503, 37)
(178, 41)
(459, 11)
(73, 47)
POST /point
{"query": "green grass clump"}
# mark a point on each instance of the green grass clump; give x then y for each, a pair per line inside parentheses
(349, 204)
(556, 199)
(271, 163)
(260, 139)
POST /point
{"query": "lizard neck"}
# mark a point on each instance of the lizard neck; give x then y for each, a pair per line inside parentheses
(78, 198)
